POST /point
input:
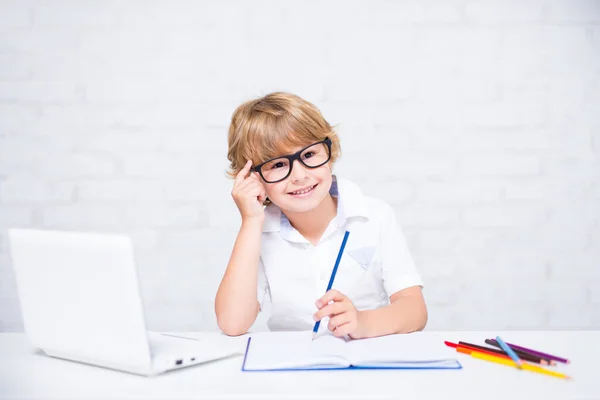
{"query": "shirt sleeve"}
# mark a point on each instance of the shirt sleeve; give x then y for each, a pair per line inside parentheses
(397, 265)
(262, 288)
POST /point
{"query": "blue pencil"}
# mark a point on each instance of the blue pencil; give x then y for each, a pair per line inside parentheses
(509, 351)
(337, 263)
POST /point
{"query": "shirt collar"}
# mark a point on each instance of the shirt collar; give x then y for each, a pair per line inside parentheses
(351, 204)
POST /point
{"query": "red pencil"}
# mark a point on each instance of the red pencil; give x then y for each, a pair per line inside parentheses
(467, 348)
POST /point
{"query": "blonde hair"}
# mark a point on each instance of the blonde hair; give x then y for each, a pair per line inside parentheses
(269, 126)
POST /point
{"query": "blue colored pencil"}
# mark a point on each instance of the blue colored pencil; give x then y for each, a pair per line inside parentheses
(509, 351)
(337, 263)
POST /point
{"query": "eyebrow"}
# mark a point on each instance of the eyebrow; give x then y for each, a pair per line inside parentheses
(290, 152)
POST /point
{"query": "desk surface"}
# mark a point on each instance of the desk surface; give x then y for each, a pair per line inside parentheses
(25, 374)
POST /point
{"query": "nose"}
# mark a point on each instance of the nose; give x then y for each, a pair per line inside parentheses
(299, 172)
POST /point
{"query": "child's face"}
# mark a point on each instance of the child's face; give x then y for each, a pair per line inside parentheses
(305, 188)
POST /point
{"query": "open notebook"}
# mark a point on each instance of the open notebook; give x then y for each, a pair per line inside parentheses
(272, 351)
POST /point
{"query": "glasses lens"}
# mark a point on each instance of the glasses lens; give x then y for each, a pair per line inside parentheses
(275, 170)
(315, 155)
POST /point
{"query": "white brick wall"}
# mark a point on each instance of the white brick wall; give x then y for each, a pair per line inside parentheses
(483, 116)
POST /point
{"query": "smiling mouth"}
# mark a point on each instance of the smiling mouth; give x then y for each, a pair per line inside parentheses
(303, 191)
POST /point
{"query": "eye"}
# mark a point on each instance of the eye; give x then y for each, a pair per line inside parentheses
(309, 154)
(279, 164)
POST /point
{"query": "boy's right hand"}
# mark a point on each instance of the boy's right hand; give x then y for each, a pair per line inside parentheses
(249, 194)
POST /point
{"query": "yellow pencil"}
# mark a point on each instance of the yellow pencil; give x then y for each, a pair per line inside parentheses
(529, 367)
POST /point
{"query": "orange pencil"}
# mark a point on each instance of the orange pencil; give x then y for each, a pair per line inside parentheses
(467, 350)
(493, 352)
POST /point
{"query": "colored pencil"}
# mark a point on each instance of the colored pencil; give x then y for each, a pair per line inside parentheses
(510, 352)
(523, 356)
(469, 350)
(534, 352)
(331, 278)
(525, 366)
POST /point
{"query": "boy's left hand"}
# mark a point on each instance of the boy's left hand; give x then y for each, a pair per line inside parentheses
(343, 316)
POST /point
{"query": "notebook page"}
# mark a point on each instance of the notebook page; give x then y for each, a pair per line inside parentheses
(282, 350)
(412, 348)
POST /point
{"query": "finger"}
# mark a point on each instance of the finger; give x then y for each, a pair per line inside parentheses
(246, 185)
(243, 185)
(262, 196)
(345, 329)
(256, 176)
(331, 295)
(257, 193)
(330, 309)
(241, 176)
(252, 188)
(248, 194)
(339, 320)
(239, 188)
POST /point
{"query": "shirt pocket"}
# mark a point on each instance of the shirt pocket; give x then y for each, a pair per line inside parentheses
(363, 255)
(359, 276)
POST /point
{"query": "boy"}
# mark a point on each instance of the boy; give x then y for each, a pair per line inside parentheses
(281, 151)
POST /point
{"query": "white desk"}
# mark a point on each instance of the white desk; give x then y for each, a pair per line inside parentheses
(25, 374)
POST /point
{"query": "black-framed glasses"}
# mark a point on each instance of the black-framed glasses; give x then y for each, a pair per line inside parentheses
(279, 168)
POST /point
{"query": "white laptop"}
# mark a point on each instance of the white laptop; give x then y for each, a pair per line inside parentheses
(80, 300)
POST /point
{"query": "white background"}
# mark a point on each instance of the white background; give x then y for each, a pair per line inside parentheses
(479, 121)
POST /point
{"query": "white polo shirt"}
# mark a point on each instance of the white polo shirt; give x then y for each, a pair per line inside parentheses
(376, 262)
